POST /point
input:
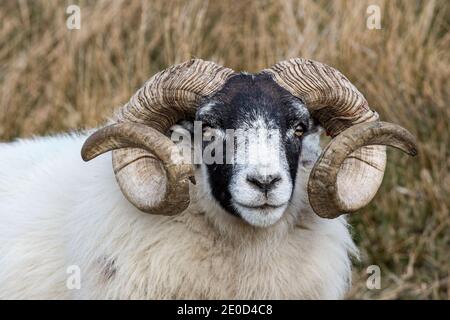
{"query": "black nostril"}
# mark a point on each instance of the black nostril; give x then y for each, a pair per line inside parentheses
(264, 183)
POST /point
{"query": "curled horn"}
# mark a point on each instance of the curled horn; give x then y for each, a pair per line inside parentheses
(141, 150)
(349, 171)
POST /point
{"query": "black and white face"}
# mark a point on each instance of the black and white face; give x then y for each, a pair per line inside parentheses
(268, 126)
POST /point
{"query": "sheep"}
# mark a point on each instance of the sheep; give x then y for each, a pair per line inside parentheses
(152, 228)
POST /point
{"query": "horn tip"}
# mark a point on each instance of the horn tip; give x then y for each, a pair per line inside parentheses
(85, 154)
(413, 152)
(85, 157)
(412, 149)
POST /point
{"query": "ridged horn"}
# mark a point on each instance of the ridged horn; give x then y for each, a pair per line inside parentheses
(349, 172)
(168, 96)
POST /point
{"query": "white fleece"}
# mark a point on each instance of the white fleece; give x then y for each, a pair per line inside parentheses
(57, 211)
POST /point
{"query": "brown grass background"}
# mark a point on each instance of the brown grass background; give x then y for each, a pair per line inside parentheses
(53, 79)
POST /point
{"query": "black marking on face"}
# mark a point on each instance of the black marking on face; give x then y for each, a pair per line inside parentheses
(244, 99)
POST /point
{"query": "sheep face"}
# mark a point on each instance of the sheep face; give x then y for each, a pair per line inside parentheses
(253, 131)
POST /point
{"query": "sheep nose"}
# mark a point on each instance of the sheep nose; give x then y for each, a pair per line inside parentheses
(263, 182)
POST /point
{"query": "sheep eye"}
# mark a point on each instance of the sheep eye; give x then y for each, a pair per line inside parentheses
(299, 131)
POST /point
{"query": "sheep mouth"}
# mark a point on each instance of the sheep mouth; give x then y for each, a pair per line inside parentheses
(264, 206)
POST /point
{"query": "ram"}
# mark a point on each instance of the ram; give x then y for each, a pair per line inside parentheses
(153, 226)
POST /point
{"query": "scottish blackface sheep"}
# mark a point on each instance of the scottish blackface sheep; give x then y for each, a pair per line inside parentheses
(158, 224)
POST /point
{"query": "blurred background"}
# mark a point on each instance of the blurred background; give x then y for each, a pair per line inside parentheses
(53, 79)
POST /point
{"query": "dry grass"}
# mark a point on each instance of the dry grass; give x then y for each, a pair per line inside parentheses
(53, 79)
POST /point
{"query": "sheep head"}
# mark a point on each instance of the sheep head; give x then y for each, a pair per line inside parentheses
(344, 179)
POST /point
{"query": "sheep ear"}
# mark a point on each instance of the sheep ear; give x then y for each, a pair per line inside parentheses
(182, 134)
(183, 127)
(315, 127)
(311, 149)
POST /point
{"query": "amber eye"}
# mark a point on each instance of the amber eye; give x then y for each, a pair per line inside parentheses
(298, 131)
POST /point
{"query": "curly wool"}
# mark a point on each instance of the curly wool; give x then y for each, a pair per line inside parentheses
(57, 212)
